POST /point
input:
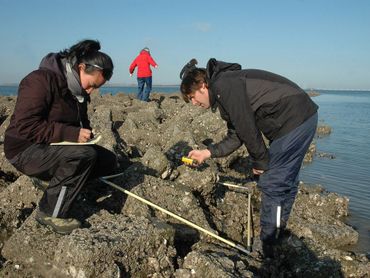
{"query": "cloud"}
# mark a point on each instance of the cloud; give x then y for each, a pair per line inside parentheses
(202, 26)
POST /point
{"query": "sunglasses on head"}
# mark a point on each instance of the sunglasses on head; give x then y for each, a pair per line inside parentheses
(107, 73)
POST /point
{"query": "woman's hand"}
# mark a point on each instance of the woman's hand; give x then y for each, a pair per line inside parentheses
(85, 135)
(199, 155)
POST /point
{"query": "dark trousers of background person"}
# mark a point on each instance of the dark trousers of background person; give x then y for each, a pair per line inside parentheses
(66, 168)
(279, 185)
(144, 94)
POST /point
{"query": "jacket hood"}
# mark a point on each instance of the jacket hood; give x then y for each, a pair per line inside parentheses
(52, 62)
(63, 68)
(215, 67)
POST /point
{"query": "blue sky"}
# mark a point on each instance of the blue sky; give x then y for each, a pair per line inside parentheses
(315, 43)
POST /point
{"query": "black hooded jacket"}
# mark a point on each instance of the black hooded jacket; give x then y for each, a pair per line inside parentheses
(253, 102)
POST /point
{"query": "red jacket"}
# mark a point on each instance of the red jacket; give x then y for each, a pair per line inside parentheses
(143, 62)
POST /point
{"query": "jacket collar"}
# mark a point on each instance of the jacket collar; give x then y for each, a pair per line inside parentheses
(73, 80)
(213, 96)
(214, 70)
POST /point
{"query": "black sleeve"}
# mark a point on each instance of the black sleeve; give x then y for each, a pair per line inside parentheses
(227, 145)
(83, 115)
(237, 104)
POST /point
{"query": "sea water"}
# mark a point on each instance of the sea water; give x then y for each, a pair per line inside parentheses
(12, 90)
(348, 173)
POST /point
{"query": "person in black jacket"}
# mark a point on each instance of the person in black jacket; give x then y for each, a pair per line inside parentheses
(255, 102)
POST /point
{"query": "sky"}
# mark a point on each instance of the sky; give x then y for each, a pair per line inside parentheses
(322, 44)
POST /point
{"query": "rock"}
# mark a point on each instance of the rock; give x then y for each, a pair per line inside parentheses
(200, 179)
(118, 245)
(122, 236)
(326, 155)
(230, 213)
(313, 93)
(156, 161)
(172, 197)
(323, 130)
(101, 120)
(315, 201)
(6, 110)
(114, 245)
(315, 215)
(310, 153)
(17, 202)
(209, 258)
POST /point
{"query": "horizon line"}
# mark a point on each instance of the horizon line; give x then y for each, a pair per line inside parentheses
(177, 85)
(107, 85)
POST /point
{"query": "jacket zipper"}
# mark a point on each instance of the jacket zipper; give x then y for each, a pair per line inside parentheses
(79, 115)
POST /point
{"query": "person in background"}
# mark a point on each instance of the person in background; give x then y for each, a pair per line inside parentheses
(255, 102)
(52, 107)
(192, 64)
(144, 73)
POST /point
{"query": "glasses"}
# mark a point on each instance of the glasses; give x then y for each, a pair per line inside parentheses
(107, 73)
(95, 66)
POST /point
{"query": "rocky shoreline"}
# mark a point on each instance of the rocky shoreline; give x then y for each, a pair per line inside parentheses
(123, 237)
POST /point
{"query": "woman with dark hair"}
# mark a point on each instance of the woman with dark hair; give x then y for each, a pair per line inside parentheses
(52, 107)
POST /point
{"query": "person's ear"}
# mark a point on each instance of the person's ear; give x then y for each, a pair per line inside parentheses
(203, 88)
(82, 66)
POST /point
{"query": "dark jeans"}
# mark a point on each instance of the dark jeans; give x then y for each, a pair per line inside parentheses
(279, 184)
(144, 94)
(67, 168)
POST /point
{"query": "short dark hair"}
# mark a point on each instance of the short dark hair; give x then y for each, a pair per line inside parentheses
(87, 52)
(193, 81)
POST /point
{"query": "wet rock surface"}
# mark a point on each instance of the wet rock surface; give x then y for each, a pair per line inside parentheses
(124, 237)
(323, 130)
